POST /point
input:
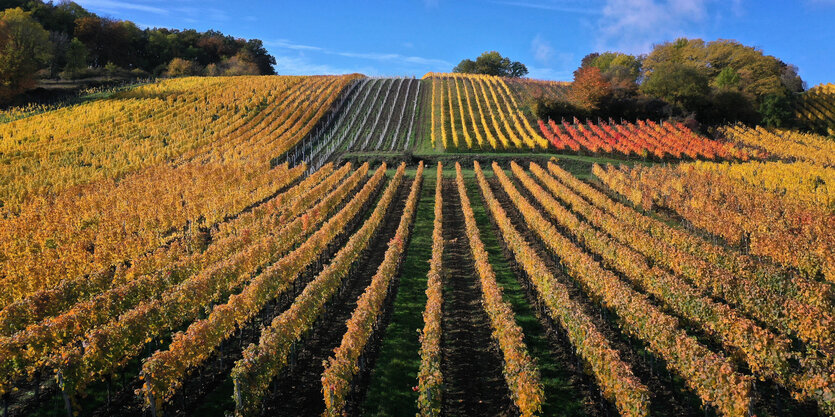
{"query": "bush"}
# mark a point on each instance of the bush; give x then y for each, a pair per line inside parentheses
(179, 67)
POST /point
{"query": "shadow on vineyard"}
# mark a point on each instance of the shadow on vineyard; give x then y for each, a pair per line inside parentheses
(472, 363)
(298, 391)
(568, 390)
(670, 396)
(390, 390)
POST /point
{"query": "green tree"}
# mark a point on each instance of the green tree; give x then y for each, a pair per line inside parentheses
(758, 75)
(550, 108)
(112, 69)
(705, 76)
(130, 48)
(777, 111)
(620, 70)
(682, 52)
(517, 69)
(76, 58)
(24, 48)
(677, 83)
(492, 63)
(59, 43)
(261, 58)
(727, 78)
(58, 16)
(109, 40)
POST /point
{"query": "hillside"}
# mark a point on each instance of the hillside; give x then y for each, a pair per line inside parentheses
(352, 245)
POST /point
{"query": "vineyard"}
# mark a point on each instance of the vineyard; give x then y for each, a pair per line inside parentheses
(490, 120)
(645, 140)
(816, 109)
(373, 115)
(784, 144)
(347, 245)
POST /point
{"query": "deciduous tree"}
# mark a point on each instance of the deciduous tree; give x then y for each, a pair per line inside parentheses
(24, 48)
(777, 111)
(677, 83)
(179, 67)
(76, 57)
(492, 63)
(589, 88)
(621, 70)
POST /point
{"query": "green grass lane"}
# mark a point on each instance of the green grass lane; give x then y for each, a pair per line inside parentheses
(395, 371)
(561, 398)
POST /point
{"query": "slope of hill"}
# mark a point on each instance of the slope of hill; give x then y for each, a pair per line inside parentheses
(191, 246)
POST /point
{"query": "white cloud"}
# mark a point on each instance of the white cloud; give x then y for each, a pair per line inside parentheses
(393, 58)
(115, 5)
(557, 6)
(634, 25)
(286, 44)
(303, 59)
(300, 65)
(560, 66)
(188, 14)
(543, 52)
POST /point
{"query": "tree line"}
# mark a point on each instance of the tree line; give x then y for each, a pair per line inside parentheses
(46, 40)
(712, 82)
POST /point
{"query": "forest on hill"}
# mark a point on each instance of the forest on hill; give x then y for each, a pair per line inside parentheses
(50, 41)
(716, 82)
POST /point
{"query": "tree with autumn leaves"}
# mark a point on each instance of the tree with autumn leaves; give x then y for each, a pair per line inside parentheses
(589, 88)
(715, 82)
(40, 40)
(24, 48)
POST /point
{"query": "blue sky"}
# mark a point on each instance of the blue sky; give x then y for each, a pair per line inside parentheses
(549, 36)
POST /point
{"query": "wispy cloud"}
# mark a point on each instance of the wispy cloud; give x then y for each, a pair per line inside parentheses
(286, 44)
(634, 25)
(550, 63)
(180, 9)
(300, 65)
(115, 5)
(366, 56)
(542, 50)
(394, 58)
(566, 7)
